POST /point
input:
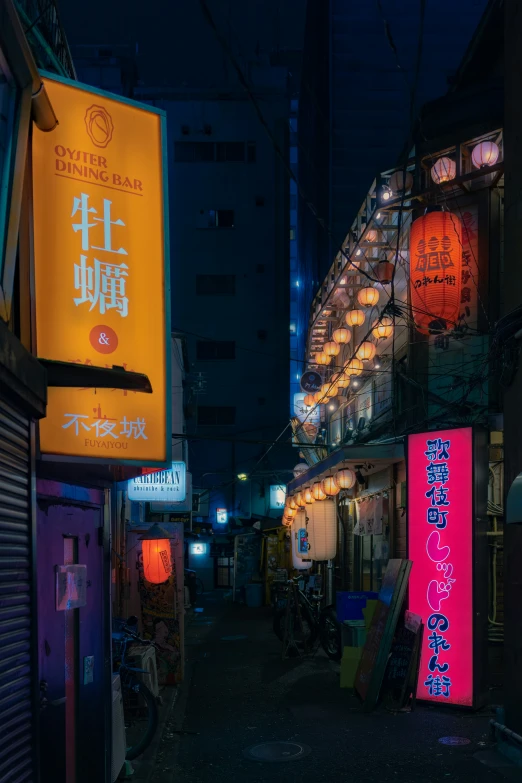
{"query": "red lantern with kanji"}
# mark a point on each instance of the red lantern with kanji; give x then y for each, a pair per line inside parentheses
(157, 560)
(436, 271)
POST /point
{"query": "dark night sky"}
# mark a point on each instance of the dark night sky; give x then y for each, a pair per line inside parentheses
(176, 46)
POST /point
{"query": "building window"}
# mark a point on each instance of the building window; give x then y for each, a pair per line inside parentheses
(216, 415)
(230, 152)
(194, 151)
(251, 152)
(215, 285)
(221, 218)
(293, 327)
(292, 234)
(210, 350)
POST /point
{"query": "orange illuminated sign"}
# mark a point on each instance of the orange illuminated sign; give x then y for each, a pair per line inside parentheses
(100, 274)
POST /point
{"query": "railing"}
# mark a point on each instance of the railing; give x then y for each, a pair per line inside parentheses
(43, 29)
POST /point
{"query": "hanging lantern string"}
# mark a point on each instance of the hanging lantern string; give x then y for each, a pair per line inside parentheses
(376, 494)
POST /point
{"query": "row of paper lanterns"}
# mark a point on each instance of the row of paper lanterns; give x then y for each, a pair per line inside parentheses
(484, 154)
(320, 490)
(382, 328)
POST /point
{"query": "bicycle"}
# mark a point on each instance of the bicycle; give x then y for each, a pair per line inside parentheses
(140, 707)
(308, 622)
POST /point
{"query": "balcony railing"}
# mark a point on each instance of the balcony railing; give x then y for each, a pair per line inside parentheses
(43, 29)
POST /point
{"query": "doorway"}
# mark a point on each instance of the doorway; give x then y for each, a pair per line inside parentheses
(71, 641)
(223, 572)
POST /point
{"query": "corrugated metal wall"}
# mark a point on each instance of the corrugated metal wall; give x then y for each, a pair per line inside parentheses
(16, 729)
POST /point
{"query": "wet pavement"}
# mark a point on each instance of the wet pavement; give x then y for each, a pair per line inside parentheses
(239, 694)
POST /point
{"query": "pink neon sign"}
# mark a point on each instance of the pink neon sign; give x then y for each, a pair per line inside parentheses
(440, 504)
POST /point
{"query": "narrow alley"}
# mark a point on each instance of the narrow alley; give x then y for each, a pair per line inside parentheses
(240, 694)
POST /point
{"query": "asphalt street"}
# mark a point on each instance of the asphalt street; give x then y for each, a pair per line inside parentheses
(240, 693)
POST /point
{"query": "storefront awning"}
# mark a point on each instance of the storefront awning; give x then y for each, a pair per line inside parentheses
(376, 453)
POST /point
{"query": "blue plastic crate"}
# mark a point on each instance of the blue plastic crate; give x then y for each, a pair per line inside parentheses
(350, 604)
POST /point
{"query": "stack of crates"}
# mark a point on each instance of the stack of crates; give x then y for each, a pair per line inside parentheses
(354, 611)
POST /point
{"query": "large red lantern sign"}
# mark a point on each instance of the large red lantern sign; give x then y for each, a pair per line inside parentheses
(157, 560)
(436, 271)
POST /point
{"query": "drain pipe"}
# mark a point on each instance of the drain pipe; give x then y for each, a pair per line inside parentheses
(504, 730)
(329, 582)
(42, 111)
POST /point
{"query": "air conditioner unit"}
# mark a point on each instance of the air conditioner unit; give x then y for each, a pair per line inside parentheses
(145, 658)
(118, 729)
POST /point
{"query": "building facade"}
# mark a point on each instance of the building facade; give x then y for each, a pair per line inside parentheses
(400, 333)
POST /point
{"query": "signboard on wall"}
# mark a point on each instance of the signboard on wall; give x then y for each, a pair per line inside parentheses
(277, 496)
(303, 413)
(311, 381)
(101, 272)
(440, 522)
(167, 486)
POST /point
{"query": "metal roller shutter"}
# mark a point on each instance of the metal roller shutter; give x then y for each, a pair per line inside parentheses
(16, 752)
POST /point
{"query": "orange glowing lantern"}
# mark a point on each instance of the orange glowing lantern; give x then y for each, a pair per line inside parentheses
(355, 318)
(342, 336)
(368, 297)
(299, 499)
(308, 497)
(318, 397)
(383, 327)
(317, 491)
(354, 367)
(290, 512)
(344, 381)
(157, 561)
(345, 478)
(366, 351)
(322, 358)
(436, 271)
(309, 400)
(331, 349)
(371, 235)
(330, 488)
(291, 502)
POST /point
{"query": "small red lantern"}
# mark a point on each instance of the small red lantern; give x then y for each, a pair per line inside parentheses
(385, 271)
(157, 561)
(436, 271)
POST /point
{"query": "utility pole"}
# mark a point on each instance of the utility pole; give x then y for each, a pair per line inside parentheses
(512, 285)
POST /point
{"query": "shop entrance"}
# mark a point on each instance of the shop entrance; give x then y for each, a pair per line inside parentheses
(71, 641)
(370, 559)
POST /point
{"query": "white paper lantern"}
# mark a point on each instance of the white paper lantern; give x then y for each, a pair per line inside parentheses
(485, 154)
(299, 469)
(399, 182)
(322, 530)
(299, 561)
(443, 170)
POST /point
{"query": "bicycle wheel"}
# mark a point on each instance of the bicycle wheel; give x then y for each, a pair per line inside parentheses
(200, 587)
(140, 710)
(302, 633)
(330, 634)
